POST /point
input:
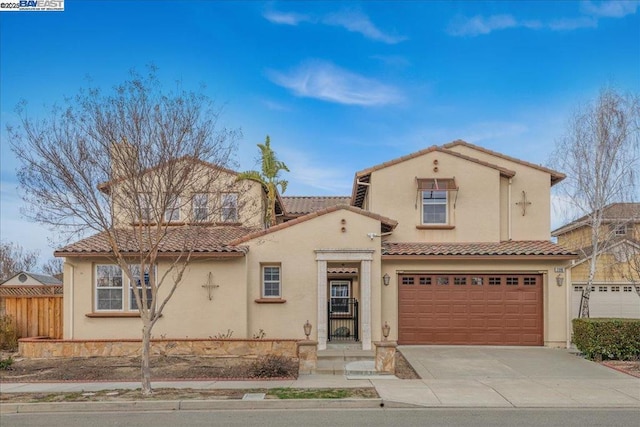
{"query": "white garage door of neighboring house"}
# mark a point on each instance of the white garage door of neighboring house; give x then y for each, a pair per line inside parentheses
(608, 301)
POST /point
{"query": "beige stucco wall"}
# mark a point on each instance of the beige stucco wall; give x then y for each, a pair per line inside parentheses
(250, 198)
(555, 316)
(189, 313)
(476, 214)
(294, 249)
(536, 223)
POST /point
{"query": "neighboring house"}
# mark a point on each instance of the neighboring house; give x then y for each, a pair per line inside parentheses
(24, 278)
(449, 245)
(615, 291)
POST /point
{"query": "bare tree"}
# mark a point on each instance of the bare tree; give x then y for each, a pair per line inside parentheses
(14, 258)
(120, 164)
(599, 154)
(53, 266)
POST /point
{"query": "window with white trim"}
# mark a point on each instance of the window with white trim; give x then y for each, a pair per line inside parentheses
(620, 230)
(135, 271)
(340, 294)
(172, 213)
(200, 207)
(271, 281)
(144, 202)
(229, 203)
(434, 207)
(109, 289)
(109, 295)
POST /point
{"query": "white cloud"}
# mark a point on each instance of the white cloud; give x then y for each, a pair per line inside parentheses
(286, 18)
(478, 25)
(610, 8)
(590, 14)
(328, 82)
(568, 24)
(354, 21)
(358, 22)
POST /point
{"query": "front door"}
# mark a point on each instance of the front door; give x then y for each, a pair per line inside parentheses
(342, 312)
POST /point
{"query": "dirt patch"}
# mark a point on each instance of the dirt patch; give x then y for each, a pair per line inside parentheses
(628, 367)
(404, 370)
(128, 369)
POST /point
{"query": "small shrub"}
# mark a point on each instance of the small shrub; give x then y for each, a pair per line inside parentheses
(8, 333)
(602, 339)
(273, 366)
(223, 335)
(6, 363)
(259, 335)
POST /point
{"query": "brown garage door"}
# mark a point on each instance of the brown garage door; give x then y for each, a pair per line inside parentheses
(467, 308)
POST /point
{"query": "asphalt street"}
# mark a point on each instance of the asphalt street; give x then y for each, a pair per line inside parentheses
(346, 417)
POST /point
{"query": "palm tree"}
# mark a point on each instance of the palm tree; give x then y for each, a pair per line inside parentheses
(269, 178)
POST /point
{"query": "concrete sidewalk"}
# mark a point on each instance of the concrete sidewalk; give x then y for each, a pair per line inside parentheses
(458, 377)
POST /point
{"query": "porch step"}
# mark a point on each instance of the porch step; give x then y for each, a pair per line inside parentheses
(335, 359)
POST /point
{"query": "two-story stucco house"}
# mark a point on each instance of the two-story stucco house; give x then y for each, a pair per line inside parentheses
(448, 245)
(614, 291)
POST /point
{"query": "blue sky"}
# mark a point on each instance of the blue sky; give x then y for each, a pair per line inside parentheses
(339, 86)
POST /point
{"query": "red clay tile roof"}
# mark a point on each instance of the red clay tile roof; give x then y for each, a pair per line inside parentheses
(387, 224)
(359, 191)
(556, 176)
(201, 240)
(506, 248)
(302, 205)
(611, 213)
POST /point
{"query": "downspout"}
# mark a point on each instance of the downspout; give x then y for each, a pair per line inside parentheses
(509, 210)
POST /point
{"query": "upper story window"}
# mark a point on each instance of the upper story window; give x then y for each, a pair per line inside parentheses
(434, 194)
(172, 213)
(200, 207)
(434, 207)
(144, 203)
(229, 203)
(620, 230)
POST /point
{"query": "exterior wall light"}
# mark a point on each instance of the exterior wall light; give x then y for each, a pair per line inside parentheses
(559, 280)
(386, 329)
(307, 329)
(386, 279)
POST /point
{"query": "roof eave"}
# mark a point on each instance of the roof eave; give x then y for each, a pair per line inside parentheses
(478, 257)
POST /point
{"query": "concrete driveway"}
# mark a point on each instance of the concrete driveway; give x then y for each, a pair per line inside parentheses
(473, 362)
(508, 377)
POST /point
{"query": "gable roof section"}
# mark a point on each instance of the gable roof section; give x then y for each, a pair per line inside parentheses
(212, 241)
(363, 177)
(387, 224)
(302, 205)
(523, 248)
(105, 186)
(586, 252)
(611, 213)
(556, 176)
(42, 278)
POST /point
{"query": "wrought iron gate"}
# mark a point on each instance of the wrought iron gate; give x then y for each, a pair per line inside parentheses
(343, 319)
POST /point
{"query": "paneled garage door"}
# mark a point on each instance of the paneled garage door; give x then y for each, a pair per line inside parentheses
(467, 308)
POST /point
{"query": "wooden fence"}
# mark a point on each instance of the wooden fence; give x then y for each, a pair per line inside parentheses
(37, 310)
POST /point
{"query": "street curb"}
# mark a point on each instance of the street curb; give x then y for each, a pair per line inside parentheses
(189, 405)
